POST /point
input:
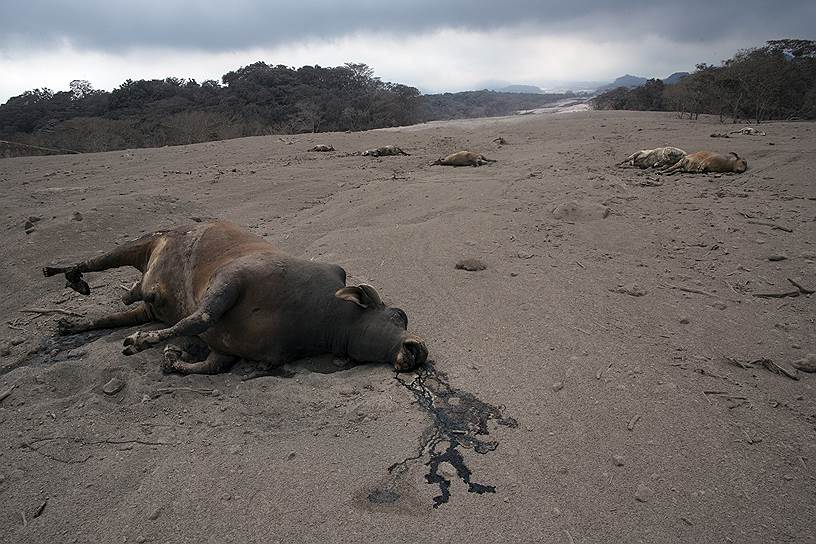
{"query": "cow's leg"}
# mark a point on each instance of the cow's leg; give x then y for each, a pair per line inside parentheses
(134, 316)
(219, 298)
(134, 294)
(628, 159)
(676, 167)
(134, 253)
(213, 364)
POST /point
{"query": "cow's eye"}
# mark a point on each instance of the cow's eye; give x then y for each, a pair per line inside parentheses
(398, 316)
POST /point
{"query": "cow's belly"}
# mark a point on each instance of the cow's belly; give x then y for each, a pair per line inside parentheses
(166, 286)
(255, 339)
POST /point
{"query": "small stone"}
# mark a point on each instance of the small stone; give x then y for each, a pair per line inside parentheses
(685, 320)
(77, 216)
(5, 350)
(618, 460)
(34, 218)
(154, 515)
(113, 386)
(631, 290)
(470, 265)
(291, 456)
(806, 364)
(17, 341)
(215, 393)
(513, 274)
(788, 477)
(776, 257)
(644, 493)
(558, 386)
(447, 471)
(719, 305)
(234, 450)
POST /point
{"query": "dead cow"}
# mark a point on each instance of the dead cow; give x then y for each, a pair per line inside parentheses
(660, 157)
(384, 151)
(749, 131)
(216, 283)
(706, 161)
(463, 158)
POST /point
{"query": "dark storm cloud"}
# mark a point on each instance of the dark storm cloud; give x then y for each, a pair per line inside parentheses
(112, 25)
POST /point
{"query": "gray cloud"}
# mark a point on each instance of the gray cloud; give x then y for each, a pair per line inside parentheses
(115, 25)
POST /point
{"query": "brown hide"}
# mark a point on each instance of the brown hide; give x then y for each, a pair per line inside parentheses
(246, 299)
(707, 161)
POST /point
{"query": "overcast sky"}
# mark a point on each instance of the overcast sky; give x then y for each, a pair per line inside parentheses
(435, 45)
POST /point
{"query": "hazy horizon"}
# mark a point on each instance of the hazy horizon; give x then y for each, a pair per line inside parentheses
(452, 46)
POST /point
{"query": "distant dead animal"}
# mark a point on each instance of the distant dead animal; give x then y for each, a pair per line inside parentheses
(749, 131)
(659, 157)
(463, 158)
(384, 151)
(226, 294)
(322, 147)
(706, 161)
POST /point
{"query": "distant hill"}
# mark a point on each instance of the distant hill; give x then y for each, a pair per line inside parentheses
(631, 82)
(529, 89)
(470, 104)
(628, 81)
(675, 78)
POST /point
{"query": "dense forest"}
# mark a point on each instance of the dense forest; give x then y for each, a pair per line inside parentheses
(253, 100)
(776, 81)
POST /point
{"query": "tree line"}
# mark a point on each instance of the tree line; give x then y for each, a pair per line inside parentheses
(775, 81)
(254, 100)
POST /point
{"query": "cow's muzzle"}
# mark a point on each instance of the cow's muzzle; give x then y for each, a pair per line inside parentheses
(412, 354)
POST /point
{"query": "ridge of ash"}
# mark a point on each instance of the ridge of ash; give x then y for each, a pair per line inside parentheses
(459, 419)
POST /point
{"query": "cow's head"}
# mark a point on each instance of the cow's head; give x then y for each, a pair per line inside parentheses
(739, 165)
(378, 333)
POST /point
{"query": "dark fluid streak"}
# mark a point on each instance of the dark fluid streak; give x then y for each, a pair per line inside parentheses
(458, 419)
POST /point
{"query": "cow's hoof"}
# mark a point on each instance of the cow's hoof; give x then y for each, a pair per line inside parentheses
(170, 358)
(80, 286)
(67, 325)
(136, 342)
(73, 279)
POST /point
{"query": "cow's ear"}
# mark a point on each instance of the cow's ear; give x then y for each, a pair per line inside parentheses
(351, 294)
(363, 296)
(372, 297)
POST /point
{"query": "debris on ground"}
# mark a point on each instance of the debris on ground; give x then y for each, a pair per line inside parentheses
(470, 265)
